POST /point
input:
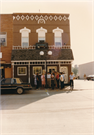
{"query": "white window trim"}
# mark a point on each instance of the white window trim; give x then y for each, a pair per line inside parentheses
(54, 31)
(21, 74)
(25, 29)
(41, 29)
(21, 31)
(58, 29)
(37, 67)
(6, 37)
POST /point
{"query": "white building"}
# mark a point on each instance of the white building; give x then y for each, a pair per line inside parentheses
(86, 68)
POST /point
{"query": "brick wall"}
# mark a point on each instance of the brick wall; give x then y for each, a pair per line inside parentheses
(6, 25)
(33, 25)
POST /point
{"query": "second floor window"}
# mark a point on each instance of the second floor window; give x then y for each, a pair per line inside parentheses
(41, 34)
(25, 42)
(58, 41)
(58, 37)
(25, 37)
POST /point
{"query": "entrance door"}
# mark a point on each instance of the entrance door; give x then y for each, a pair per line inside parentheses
(64, 69)
(51, 69)
(7, 72)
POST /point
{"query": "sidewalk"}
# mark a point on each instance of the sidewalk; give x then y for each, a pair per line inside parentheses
(78, 85)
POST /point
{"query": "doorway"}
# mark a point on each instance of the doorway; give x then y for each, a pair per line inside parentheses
(64, 69)
(51, 69)
(2, 72)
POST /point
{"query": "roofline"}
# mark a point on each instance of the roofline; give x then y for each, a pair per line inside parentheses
(43, 13)
(34, 13)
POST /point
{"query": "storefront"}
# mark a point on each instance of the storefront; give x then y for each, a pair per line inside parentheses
(25, 66)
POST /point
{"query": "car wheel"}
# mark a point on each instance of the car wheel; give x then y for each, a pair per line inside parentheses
(20, 91)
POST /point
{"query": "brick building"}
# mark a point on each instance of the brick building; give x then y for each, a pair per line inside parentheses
(21, 31)
(6, 43)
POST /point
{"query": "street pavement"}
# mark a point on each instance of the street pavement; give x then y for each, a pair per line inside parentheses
(49, 112)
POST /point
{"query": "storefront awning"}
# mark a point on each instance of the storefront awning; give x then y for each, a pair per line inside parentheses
(34, 54)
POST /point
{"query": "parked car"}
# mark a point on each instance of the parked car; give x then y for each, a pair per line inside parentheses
(90, 77)
(41, 44)
(15, 84)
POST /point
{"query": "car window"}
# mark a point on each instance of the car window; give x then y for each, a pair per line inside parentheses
(13, 81)
(18, 80)
(3, 81)
(6, 81)
(21, 80)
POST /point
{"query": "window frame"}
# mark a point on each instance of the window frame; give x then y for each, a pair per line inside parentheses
(22, 31)
(21, 74)
(1, 33)
(58, 36)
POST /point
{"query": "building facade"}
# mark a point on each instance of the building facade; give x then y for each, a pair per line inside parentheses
(19, 34)
(6, 43)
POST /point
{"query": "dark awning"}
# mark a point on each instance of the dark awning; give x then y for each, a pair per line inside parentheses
(34, 54)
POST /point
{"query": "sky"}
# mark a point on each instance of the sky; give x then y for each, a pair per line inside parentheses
(81, 21)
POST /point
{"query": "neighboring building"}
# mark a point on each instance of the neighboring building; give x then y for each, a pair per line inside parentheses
(21, 31)
(86, 68)
(6, 43)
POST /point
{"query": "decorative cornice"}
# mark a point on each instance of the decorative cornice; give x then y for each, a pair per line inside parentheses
(41, 18)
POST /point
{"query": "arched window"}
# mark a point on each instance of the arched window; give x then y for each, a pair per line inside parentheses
(25, 37)
(58, 37)
(41, 34)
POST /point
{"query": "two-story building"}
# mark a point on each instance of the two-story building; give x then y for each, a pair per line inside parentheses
(19, 34)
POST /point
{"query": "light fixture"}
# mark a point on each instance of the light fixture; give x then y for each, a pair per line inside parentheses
(41, 53)
(49, 52)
